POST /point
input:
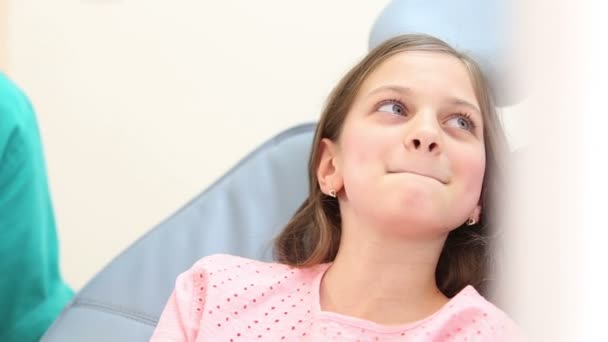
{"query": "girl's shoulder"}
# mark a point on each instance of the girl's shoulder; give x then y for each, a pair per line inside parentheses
(470, 310)
(220, 261)
(219, 266)
(228, 272)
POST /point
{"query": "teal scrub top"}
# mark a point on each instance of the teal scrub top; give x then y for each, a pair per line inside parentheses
(32, 292)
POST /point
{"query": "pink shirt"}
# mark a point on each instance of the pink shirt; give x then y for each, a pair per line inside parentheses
(228, 298)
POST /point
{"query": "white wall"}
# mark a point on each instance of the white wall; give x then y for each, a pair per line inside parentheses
(142, 104)
(3, 34)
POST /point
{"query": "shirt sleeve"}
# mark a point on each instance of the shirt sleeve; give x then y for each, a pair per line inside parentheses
(181, 317)
(32, 291)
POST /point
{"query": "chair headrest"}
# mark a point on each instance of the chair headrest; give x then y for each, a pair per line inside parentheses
(479, 28)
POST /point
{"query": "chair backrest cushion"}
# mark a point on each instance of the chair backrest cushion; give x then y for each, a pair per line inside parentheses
(239, 214)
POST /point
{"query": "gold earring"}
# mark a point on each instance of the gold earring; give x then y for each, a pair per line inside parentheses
(471, 222)
(332, 193)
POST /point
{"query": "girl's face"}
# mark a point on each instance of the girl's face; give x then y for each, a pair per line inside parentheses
(411, 154)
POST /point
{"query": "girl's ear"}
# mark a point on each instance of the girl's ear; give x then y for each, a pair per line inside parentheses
(329, 170)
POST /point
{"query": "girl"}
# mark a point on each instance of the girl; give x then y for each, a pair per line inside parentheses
(392, 242)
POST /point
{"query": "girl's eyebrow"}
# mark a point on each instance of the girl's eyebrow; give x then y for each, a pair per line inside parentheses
(395, 88)
(460, 102)
(404, 90)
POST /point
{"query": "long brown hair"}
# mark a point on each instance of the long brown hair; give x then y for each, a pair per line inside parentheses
(312, 236)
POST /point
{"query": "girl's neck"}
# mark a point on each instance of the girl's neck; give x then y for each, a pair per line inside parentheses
(386, 282)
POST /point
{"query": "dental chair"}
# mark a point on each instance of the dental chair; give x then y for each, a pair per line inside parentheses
(239, 214)
(242, 212)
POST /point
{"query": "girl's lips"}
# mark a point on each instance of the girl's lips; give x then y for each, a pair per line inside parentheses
(419, 174)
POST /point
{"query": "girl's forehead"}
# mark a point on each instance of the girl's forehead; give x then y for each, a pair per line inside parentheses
(441, 76)
(414, 69)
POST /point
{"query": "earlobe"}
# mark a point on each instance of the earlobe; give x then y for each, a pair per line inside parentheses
(328, 169)
(474, 217)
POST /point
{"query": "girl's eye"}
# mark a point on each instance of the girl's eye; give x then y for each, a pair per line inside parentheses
(393, 107)
(462, 121)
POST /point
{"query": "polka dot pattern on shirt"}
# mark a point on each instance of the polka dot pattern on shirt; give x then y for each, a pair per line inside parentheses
(238, 299)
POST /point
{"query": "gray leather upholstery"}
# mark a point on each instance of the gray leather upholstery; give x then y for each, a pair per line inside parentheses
(239, 214)
(482, 29)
